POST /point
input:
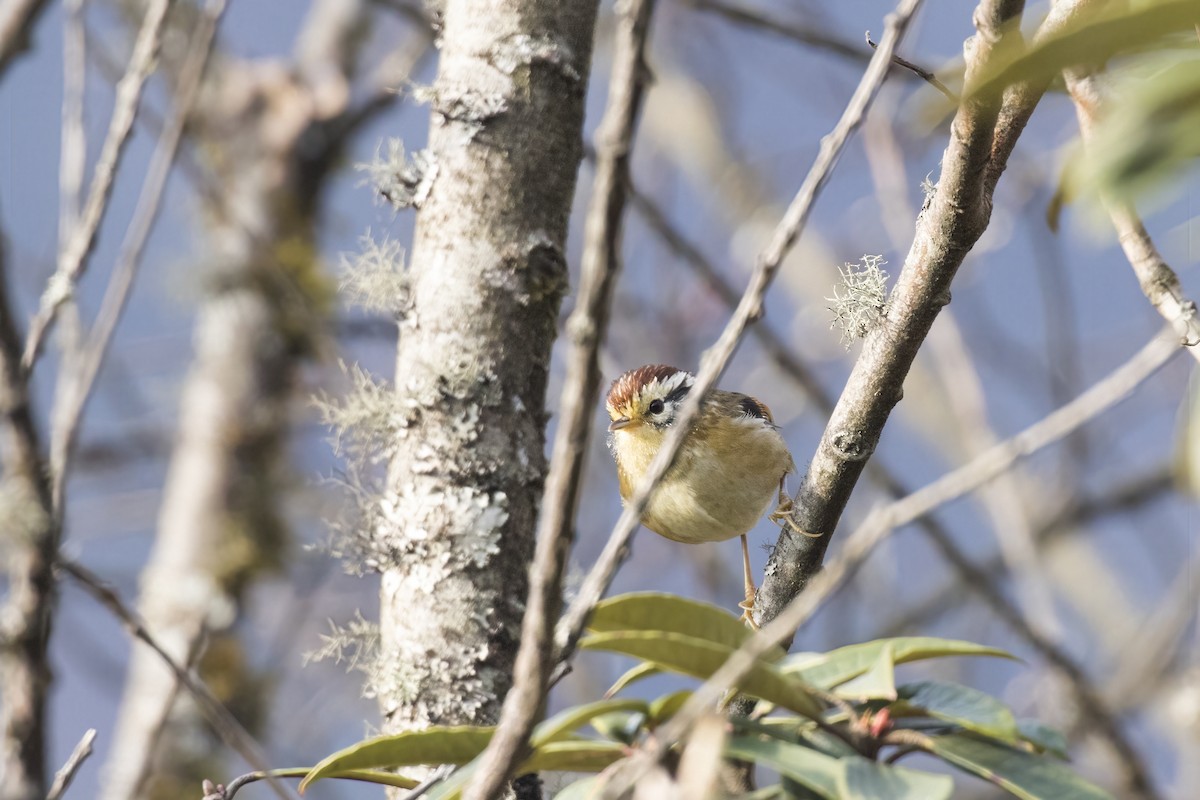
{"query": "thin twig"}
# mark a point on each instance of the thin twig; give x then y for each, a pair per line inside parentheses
(750, 308)
(222, 721)
(63, 778)
(1158, 281)
(805, 34)
(1100, 397)
(525, 703)
(17, 18)
(73, 259)
(920, 71)
(74, 392)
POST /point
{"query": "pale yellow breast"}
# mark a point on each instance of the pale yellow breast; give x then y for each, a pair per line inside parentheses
(722, 484)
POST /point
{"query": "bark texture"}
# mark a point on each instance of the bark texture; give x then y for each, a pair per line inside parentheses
(487, 277)
(28, 541)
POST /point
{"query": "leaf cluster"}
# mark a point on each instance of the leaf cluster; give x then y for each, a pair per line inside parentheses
(831, 725)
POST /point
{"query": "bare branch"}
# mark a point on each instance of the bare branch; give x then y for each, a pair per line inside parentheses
(17, 18)
(1158, 281)
(74, 391)
(955, 218)
(222, 721)
(525, 703)
(63, 778)
(804, 34)
(73, 260)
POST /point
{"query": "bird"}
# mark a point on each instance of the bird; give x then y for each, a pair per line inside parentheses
(730, 465)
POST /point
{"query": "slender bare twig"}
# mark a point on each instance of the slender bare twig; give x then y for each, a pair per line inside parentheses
(1158, 281)
(73, 157)
(805, 34)
(920, 72)
(222, 721)
(63, 778)
(982, 136)
(73, 393)
(748, 309)
(17, 18)
(525, 702)
(1100, 397)
(73, 259)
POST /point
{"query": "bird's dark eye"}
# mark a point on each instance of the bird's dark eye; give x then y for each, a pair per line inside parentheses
(656, 406)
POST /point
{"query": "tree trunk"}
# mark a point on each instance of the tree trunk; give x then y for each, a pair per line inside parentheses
(487, 277)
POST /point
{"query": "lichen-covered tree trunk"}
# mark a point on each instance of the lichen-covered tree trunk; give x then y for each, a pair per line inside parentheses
(485, 283)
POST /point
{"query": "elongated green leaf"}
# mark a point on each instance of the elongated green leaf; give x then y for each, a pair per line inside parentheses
(619, 726)
(440, 745)
(573, 756)
(834, 668)
(878, 682)
(1146, 136)
(1043, 737)
(665, 707)
(1025, 775)
(962, 705)
(700, 659)
(657, 611)
(816, 772)
(568, 720)
(631, 676)
(867, 780)
(1095, 34)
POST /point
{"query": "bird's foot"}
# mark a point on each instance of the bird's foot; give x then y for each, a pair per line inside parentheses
(747, 607)
(782, 515)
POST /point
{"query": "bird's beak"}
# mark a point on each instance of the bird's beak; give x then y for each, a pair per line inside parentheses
(620, 422)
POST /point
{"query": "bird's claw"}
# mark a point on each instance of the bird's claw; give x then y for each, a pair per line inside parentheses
(783, 515)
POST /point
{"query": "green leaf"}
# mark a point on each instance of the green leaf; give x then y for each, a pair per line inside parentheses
(657, 611)
(1095, 34)
(579, 790)
(665, 707)
(643, 670)
(619, 726)
(568, 720)
(1044, 738)
(1145, 137)
(573, 756)
(877, 683)
(867, 780)
(962, 705)
(439, 745)
(700, 658)
(814, 771)
(1025, 775)
(834, 668)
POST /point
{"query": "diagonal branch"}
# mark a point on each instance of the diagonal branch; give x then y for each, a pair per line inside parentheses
(73, 259)
(1158, 281)
(17, 18)
(954, 219)
(525, 703)
(222, 721)
(748, 309)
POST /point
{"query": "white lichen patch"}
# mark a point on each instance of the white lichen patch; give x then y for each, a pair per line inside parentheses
(402, 182)
(525, 50)
(374, 278)
(860, 301)
(435, 531)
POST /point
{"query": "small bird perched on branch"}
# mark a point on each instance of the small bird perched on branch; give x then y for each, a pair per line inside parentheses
(727, 470)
